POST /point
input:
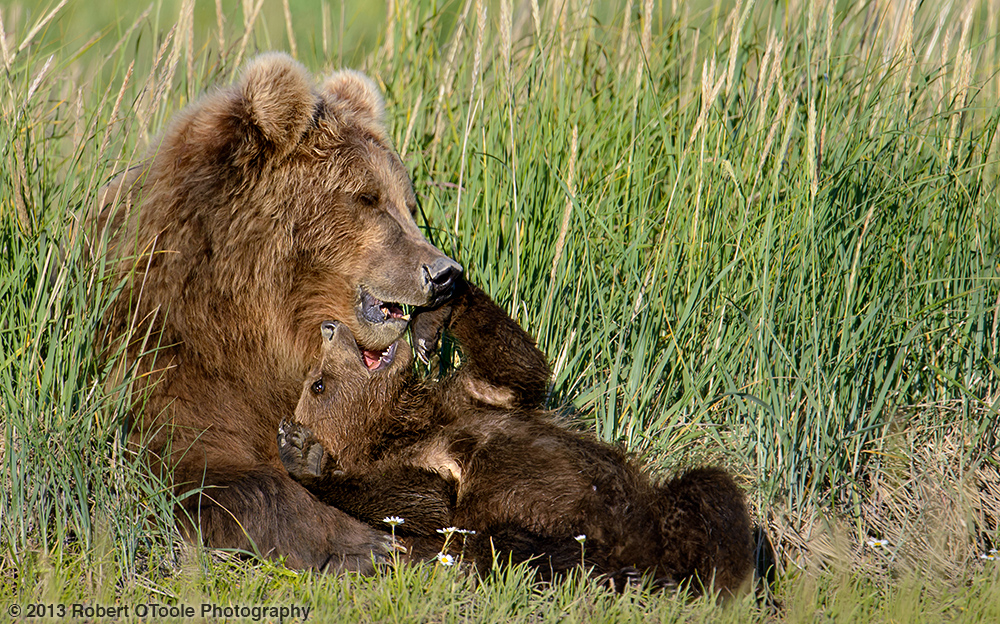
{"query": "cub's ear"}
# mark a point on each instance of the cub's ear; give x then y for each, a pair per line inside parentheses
(277, 101)
(355, 94)
(328, 328)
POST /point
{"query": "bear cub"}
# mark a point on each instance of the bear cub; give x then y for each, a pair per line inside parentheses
(477, 451)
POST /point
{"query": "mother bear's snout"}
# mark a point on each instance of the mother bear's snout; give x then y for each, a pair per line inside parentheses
(439, 279)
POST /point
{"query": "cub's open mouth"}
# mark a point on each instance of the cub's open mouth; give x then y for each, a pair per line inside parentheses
(377, 360)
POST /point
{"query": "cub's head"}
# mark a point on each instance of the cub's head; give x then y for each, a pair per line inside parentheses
(347, 389)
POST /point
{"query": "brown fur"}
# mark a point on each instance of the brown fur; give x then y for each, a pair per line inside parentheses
(265, 208)
(476, 451)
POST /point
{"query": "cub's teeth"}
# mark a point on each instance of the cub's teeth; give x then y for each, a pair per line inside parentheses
(405, 317)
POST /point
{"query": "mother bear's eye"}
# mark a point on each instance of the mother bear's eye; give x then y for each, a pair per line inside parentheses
(317, 387)
(368, 199)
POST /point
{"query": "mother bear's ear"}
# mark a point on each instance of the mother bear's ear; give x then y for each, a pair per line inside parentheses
(355, 95)
(276, 103)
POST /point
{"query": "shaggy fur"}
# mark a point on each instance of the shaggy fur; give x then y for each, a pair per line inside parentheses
(477, 452)
(265, 208)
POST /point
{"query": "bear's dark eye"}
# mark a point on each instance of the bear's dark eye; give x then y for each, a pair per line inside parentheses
(317, 387)
(368, 199)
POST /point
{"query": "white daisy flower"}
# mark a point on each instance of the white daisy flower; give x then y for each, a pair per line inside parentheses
(444, 559)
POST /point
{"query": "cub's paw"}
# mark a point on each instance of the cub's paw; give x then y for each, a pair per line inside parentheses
(426, 328)
(302, 454)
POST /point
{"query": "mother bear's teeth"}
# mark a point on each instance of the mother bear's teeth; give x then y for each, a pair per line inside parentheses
(393, 310)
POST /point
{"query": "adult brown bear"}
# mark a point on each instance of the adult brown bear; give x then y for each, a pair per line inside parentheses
(476, 451)
(265, 208)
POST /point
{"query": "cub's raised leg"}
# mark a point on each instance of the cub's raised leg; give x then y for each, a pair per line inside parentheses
(501, 364)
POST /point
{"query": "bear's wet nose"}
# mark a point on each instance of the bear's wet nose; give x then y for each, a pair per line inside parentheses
(440, 277)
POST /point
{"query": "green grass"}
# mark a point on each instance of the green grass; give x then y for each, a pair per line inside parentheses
(763, 236)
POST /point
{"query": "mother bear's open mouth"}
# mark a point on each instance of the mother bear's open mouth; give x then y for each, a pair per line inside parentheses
(377, 312)
(384, 296)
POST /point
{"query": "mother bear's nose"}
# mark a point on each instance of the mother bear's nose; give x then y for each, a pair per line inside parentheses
(440, 277)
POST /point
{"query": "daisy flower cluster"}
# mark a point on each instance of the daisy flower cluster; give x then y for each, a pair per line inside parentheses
(443, 557)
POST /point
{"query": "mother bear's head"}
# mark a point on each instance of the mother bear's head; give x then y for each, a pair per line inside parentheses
(267, 207)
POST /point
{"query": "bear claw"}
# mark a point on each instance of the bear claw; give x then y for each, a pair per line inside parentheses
(426, 328)
(300, 451)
